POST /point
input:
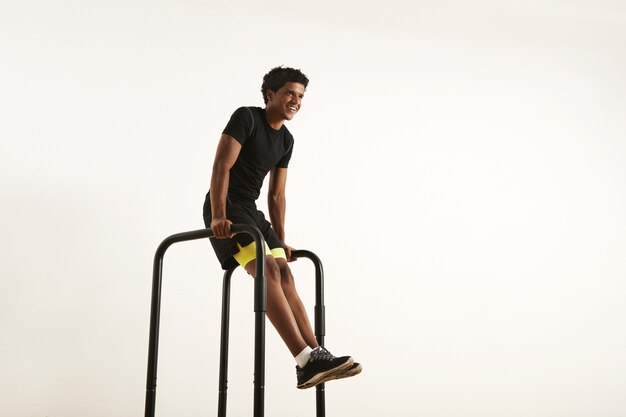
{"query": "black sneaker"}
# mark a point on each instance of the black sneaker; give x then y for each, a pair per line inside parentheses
(355, 369)
(321, 367)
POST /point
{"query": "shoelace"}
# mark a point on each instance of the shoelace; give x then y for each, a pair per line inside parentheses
(321, 354)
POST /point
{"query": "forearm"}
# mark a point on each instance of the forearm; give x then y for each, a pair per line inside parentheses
(219, 190)
(277, 205)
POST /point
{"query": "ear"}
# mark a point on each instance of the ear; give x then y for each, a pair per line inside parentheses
(270, 95)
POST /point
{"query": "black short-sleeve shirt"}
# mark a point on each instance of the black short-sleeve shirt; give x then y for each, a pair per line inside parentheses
(262, 148)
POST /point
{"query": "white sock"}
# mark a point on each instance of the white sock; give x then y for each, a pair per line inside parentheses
(303, 357)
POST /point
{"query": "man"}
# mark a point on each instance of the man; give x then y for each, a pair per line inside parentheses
(255, 142)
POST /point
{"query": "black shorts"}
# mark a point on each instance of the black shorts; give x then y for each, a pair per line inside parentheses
(239, 212)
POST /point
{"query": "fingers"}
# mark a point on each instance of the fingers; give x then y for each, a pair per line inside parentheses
(288, 251)
(226, 231)
(221, 228)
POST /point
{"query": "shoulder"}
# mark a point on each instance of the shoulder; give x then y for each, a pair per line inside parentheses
(245, 116)
(288, 134)
(252, 114)
(244, 112)
(241, 125)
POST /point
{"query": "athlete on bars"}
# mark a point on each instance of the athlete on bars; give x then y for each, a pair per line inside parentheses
(255, 142)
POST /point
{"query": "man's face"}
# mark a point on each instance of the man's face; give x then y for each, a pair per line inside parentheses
(287, 100)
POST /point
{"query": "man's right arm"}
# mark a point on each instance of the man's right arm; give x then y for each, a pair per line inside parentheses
(227, 152)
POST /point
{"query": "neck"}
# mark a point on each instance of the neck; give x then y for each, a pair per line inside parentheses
(273, 119)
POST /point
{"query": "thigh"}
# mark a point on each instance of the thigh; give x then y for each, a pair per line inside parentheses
(240, 213)
(270, 236)
(271, 267)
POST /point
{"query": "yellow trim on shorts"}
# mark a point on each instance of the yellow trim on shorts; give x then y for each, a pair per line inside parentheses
(248, 253)
(278, 253)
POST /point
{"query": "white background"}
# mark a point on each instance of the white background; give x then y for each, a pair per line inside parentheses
(459, 167)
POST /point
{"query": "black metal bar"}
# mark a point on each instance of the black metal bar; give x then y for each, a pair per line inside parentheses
(260, 307)
(260, 303)
(320, 319)
(223, 381)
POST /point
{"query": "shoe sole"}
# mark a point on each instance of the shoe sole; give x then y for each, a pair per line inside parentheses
(355, 369)
(327, 375)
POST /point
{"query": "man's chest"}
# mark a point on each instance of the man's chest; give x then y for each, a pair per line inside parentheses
(263, 152)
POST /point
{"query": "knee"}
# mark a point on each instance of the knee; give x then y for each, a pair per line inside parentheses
(272, 272)
(285, 274)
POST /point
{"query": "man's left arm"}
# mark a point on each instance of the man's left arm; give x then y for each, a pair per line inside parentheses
(277, 204)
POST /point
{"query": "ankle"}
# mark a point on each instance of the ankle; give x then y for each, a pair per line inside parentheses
(303, 357)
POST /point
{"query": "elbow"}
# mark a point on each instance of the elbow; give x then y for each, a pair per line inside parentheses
(276, 198)
(218, 166)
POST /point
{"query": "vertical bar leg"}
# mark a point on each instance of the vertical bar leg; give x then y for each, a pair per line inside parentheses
(260, 307)
(153, 344)
(320, 330)
(320, 319)
(223, 382)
